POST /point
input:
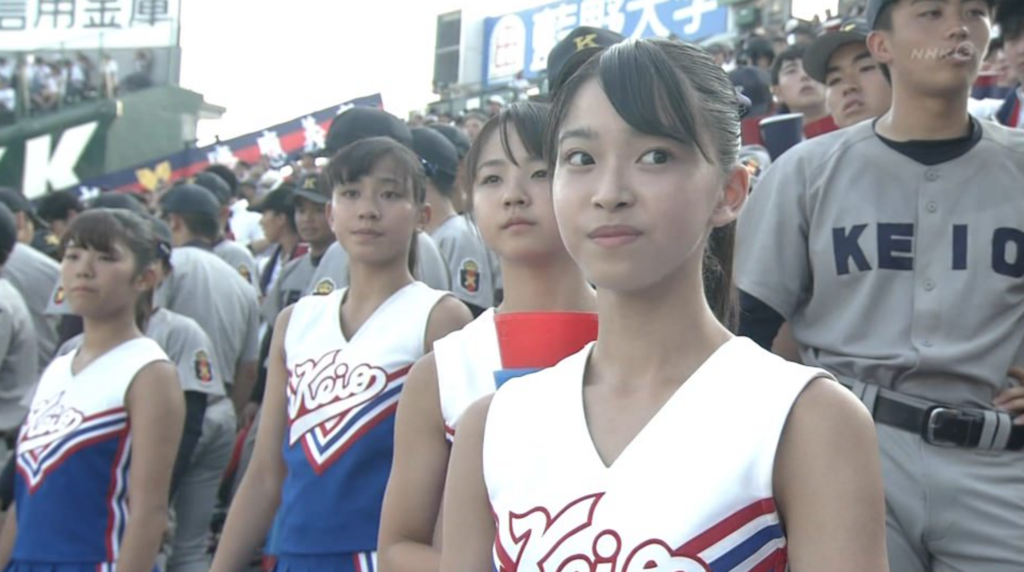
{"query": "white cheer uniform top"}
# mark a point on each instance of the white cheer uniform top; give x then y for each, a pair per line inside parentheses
(691, 493)
(466, 361)
(73, 457)
(342, 395)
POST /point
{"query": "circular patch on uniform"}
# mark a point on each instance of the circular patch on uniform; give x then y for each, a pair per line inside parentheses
(244, 271)
(51, 240)
(203, 371)
(469, 276)
(324, 287)
(58, 296)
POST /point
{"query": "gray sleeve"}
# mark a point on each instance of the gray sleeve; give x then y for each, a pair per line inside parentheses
(431, 268)
(6, 334)
(772, 261)
(190, 349)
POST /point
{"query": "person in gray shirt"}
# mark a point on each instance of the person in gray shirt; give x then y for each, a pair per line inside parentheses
(18, 349)
(468, 260)
(32, 273)
(236, 255)
(204, 288)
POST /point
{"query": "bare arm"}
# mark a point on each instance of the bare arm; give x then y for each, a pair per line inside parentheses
(448, 315)
(254, 506)
(412, 502)
(8, 536)
(241, 390)
(156, 407)
(828, 484)
(468, 526)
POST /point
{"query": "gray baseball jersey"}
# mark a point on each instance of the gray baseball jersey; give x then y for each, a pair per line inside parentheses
(892, 272)
(291, 284)
(204, 288)
(468, 259)
(185, 342)
(239, 258)
(19, 359)
(35, 276)
(332, 273)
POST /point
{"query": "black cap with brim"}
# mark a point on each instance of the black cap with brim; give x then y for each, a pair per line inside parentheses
(456, 136)
(875, 8)
(574, 50)
(216, 184)
(439, 154)
(281, 200)
(190, 199)
(820, 51)
(17, 203)
(312, 188)
(360, 123)
(122, 201)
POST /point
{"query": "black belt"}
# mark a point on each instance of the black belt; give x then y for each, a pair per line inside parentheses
(941, 425)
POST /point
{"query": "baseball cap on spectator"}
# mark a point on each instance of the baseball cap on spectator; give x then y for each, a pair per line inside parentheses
(123, 201)
(820, 51)
(312, 188)
(281, 201)
(17, 203)
(360, 123)
(269, 181)
(8, 232)
(753, 83)
(574, 50)
(190, 199)
(215, 184)
(225, 173)
(455, 135)
(440, 158)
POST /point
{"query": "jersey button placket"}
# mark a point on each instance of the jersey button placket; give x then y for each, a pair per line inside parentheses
(927, 304)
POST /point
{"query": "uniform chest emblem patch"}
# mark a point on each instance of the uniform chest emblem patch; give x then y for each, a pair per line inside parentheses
(243, 270)
(331, 404)
(58, 296)
(469, 276)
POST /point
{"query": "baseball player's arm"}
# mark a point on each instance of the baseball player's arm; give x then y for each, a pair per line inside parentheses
(828, 484)
(469, 528)
(259, 495)
(412, 502)
(154, 398)
(245, 375)
(772, 261)
(8, 535)
(1012, 400)
(6, 334)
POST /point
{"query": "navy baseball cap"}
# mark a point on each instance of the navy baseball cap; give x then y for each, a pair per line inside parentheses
(281, 200)
(8, 231)
(455, 135)
(440, 158)
(17, 203)
(574, 50)
(215, 184)
(110, 200)
(360, 123)
(755, 85)
(819, 52)
(190, 199)
(312, 188)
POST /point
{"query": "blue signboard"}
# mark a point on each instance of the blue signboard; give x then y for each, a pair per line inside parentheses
(520, 42)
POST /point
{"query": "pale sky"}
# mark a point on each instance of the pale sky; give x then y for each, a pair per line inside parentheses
(270, 61)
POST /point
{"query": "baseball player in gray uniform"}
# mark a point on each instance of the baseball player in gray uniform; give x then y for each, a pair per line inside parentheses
(34, 275)
(895, 251)
(236, 255)
(19, 361)
(204, 288)
(467, 258)
(351, 126)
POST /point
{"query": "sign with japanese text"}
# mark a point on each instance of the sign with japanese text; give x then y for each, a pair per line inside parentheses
(27, 25)
(277, 144)
(520, 42)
